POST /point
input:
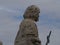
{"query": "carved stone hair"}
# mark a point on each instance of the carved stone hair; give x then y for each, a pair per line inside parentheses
(31, 12)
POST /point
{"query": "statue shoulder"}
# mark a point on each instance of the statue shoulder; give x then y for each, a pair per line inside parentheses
(27, 22)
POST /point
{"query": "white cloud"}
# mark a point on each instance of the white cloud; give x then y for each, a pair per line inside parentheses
(46, 6)
(8, 10)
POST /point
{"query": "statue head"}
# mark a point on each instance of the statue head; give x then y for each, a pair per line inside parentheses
(32, 12)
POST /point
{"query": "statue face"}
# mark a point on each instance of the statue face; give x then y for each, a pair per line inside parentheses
(36, 17)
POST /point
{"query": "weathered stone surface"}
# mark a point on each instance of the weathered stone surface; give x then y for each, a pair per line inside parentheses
(28, 32)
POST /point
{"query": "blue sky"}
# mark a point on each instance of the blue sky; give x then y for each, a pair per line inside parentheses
(11, 15)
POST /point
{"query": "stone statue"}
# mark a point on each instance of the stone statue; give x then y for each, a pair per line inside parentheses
(28, 32)
(0, 43)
